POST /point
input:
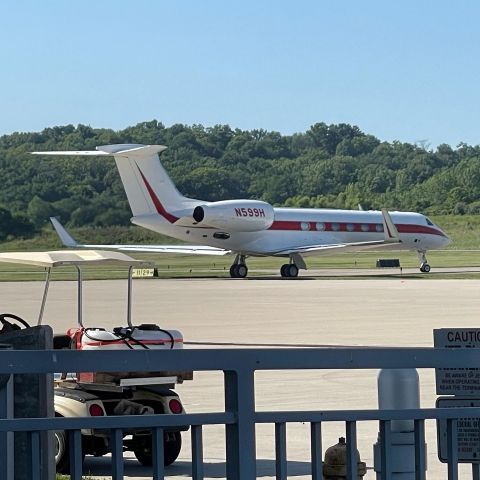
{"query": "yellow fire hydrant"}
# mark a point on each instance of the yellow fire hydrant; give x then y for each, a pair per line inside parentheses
(335, 463)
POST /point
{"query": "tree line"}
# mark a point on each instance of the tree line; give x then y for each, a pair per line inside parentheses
(336, 166)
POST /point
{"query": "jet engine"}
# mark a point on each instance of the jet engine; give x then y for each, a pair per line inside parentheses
(235, 215)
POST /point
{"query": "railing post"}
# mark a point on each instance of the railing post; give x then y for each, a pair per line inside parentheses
(475, 471)
(352, 462)
(281, 451)
(316, 450)
(452, 448)
(6, 411)
(240, 437)
(420, 457)
(197, 452)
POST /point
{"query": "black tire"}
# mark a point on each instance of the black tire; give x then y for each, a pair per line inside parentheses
(242, 270)
(238, 270)
(425, 268)
(62, 451)
(171, 449)
(292, 270)
(62, 459)
(284, 270)
(172, 444)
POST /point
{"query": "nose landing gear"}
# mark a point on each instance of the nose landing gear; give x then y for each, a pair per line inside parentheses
(424, 266)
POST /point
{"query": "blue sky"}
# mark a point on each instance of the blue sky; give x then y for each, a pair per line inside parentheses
(405, 71)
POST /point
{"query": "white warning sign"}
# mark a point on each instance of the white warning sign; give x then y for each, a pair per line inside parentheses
(457, 381)
(468, 431)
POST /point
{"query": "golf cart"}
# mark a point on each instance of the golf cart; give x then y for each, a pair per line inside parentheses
(100, 394)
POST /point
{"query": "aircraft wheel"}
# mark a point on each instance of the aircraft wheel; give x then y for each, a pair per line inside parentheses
(292, 270)
(425, 268)
(241, 270)
(284, 270)
(238, 270)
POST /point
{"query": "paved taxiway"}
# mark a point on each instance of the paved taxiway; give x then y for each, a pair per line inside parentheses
(393, 312)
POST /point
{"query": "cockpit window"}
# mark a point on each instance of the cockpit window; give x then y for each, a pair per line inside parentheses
(429, 221)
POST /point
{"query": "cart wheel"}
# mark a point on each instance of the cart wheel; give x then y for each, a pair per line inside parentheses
(62, 461)
(62, 454)
(172, 445)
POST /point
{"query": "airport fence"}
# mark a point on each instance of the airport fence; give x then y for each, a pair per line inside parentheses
(239, 416)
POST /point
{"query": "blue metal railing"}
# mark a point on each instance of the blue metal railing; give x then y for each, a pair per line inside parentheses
(240, 417)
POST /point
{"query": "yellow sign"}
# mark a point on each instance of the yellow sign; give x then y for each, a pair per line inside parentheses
(144, 272)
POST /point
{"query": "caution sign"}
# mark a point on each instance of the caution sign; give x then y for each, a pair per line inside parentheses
(468, 431)
(457, 381)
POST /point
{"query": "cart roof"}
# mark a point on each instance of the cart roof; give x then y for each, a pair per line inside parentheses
(71, 257)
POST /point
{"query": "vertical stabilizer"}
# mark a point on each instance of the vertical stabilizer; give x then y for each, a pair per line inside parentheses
(148, 187)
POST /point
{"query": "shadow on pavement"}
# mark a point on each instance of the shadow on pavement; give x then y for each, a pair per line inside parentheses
(101, 467)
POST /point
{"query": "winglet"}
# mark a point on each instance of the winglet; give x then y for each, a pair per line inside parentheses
(65, 237)
(389, 228)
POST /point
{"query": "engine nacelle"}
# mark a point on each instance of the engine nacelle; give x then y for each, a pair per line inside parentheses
(235, 215)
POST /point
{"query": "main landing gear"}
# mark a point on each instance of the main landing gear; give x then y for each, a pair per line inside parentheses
(424, 266)
(239, 268)
(289, 270)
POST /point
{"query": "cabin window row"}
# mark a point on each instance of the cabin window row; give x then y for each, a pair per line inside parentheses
(335, 227)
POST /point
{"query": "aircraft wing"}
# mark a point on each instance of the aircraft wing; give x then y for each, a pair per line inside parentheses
(311, 250)
(391, 240)
(69, 241)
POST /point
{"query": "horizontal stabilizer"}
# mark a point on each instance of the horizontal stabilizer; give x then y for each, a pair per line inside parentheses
(130, 149)
(69, 241)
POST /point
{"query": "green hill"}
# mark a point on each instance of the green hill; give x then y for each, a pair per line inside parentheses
(326, 166)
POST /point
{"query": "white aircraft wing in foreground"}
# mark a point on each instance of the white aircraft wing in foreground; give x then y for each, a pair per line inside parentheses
(69, 241)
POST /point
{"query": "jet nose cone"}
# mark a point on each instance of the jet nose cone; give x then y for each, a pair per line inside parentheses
(446, 240)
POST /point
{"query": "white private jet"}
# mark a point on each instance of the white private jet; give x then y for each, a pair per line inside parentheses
(256, 228)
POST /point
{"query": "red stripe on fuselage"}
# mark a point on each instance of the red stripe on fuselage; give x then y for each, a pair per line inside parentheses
(158, 205)
(407, 228)
(351, 227)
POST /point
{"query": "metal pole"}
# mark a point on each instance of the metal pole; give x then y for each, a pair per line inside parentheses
(79, 296)
(6, 411)
(452, 448)
(240, 437)
(45, 293)
(129, 297)
(352, 465)
(476, 471)
(316, 450)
